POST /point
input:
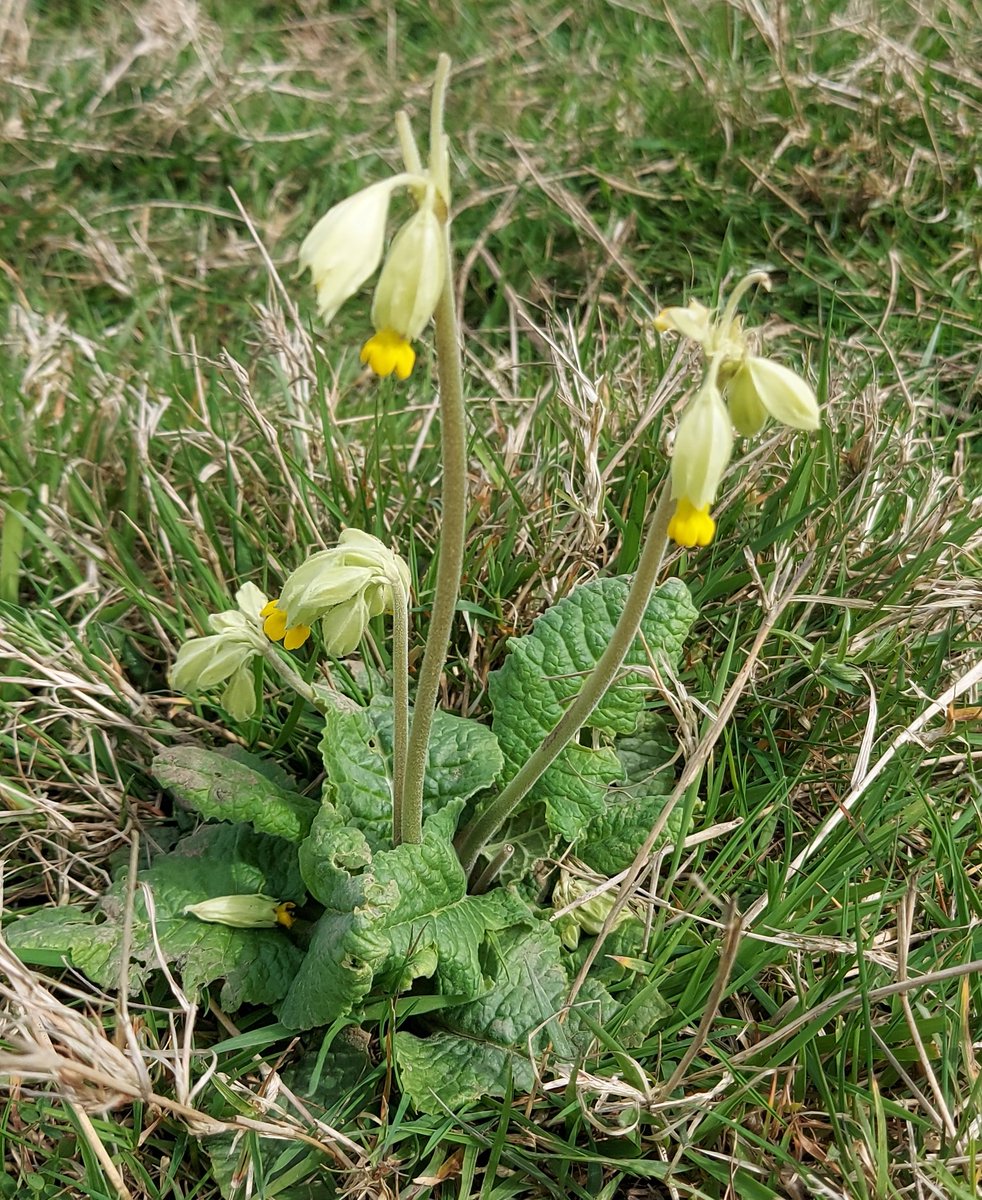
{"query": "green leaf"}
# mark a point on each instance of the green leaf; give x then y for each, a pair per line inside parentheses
(464, 758)
(257, 965)
(481, 1045)
(406, 916)
(544, 670)
(435, 929)
(347, 946)
(223, 789)
(631, 807)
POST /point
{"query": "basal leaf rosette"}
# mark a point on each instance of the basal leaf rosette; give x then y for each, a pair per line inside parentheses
(256, 964)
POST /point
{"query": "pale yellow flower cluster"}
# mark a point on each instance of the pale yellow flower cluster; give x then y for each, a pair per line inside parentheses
(740, 391)
(343, 587)
(345, 247)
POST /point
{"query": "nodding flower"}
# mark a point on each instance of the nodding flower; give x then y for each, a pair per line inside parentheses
(225, 656)
(741, 391)
(346, 246)
(343, 588)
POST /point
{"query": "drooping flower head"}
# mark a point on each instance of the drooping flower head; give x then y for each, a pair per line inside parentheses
(345, 247)
(741, 391)
(702, 451)
(225, 655)
(343, 587)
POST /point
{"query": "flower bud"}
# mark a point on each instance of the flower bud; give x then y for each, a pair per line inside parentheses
(254, 911)
(344, 587)
(747, 413)
(590, 915)
(694, 321)
(785, 395)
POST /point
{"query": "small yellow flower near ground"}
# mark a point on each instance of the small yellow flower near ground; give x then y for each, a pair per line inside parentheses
(389, 353)
(276, 629)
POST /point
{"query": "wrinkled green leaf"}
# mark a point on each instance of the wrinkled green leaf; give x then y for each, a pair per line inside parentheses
(404, 917)
(464, 758)
(347, 947)
(632, 806)
(257, 965)
(544, 670)
(478, 1047)
(435, 929)
(223, 789)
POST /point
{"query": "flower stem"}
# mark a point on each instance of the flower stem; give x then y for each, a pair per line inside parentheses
(400, 701)
(453, 431)
(473, 838)
(291, 678)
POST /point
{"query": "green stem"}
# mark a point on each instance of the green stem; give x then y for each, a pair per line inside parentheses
(400, 702)
(473, 838)
(291, 678)
(453, 431)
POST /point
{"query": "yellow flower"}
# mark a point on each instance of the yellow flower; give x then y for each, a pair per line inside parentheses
(345, 248)
(343, 587)
(755, 387)
(275, 627)
(389, 353)
(702, 451)
(407, 292)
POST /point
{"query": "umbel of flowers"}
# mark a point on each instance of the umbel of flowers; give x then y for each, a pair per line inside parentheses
(345, 247)
(740, 391)
(343, 588)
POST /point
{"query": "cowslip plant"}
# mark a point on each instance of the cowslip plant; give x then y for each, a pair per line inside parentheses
(424, 865)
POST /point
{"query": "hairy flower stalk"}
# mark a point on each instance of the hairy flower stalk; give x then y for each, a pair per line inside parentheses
(454, 497)
(473, 838)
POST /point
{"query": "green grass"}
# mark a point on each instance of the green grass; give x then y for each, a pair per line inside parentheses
(168, 430)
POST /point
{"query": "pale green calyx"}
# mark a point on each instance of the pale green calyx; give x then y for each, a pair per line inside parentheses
(703, 447)
(755, 387)
(413, 275)
(253, 911)
(761, 384)
(345, 587)
(225, 655)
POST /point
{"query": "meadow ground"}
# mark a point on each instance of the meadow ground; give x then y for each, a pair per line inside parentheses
(175, 421)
